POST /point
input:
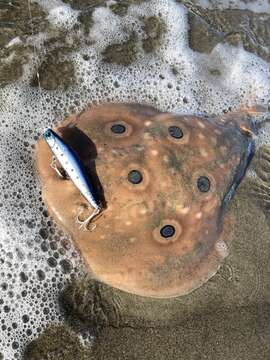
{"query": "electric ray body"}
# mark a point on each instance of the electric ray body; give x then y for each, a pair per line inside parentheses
(165, 180)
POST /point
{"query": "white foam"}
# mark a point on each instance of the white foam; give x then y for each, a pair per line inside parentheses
(15, 41)
(63, 16)
(25, 112)
(255, 6)
(107, 28)
(50, 5)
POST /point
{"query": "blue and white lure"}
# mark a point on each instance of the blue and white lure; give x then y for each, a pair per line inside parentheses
(75, 170)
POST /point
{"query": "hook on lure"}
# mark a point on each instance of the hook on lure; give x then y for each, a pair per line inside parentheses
(75, 171)
(84, 224)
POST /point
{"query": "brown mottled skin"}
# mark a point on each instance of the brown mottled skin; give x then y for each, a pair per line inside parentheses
(126, 249)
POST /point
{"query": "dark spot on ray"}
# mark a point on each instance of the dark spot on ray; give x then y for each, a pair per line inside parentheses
(135, 177)
(118, 128)
(167, 231)
(203, 184)
(176, 132)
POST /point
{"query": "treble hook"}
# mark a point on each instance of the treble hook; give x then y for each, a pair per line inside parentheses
(84, 223)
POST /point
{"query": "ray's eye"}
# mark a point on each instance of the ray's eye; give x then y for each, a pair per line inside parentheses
(167, 231)
(203, 184)
(175, 132)
(118, 128)
(135, 177)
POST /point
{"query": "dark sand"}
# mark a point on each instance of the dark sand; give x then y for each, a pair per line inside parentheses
(229, 334)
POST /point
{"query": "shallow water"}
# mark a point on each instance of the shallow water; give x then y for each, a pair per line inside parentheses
(59, 56)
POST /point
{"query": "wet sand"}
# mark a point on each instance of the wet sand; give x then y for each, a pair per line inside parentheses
(231, 334)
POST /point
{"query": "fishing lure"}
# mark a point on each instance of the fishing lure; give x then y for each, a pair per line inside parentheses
(75, 170)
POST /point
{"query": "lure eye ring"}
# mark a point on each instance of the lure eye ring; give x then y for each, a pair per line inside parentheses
(48, 134)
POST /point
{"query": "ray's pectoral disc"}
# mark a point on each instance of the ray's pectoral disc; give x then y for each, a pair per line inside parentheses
(164, 182)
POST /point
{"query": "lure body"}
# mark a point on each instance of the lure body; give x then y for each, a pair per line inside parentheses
(72, 165)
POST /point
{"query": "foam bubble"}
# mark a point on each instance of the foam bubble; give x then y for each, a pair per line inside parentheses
(63, 16)
(255, 6)
(222, 248)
